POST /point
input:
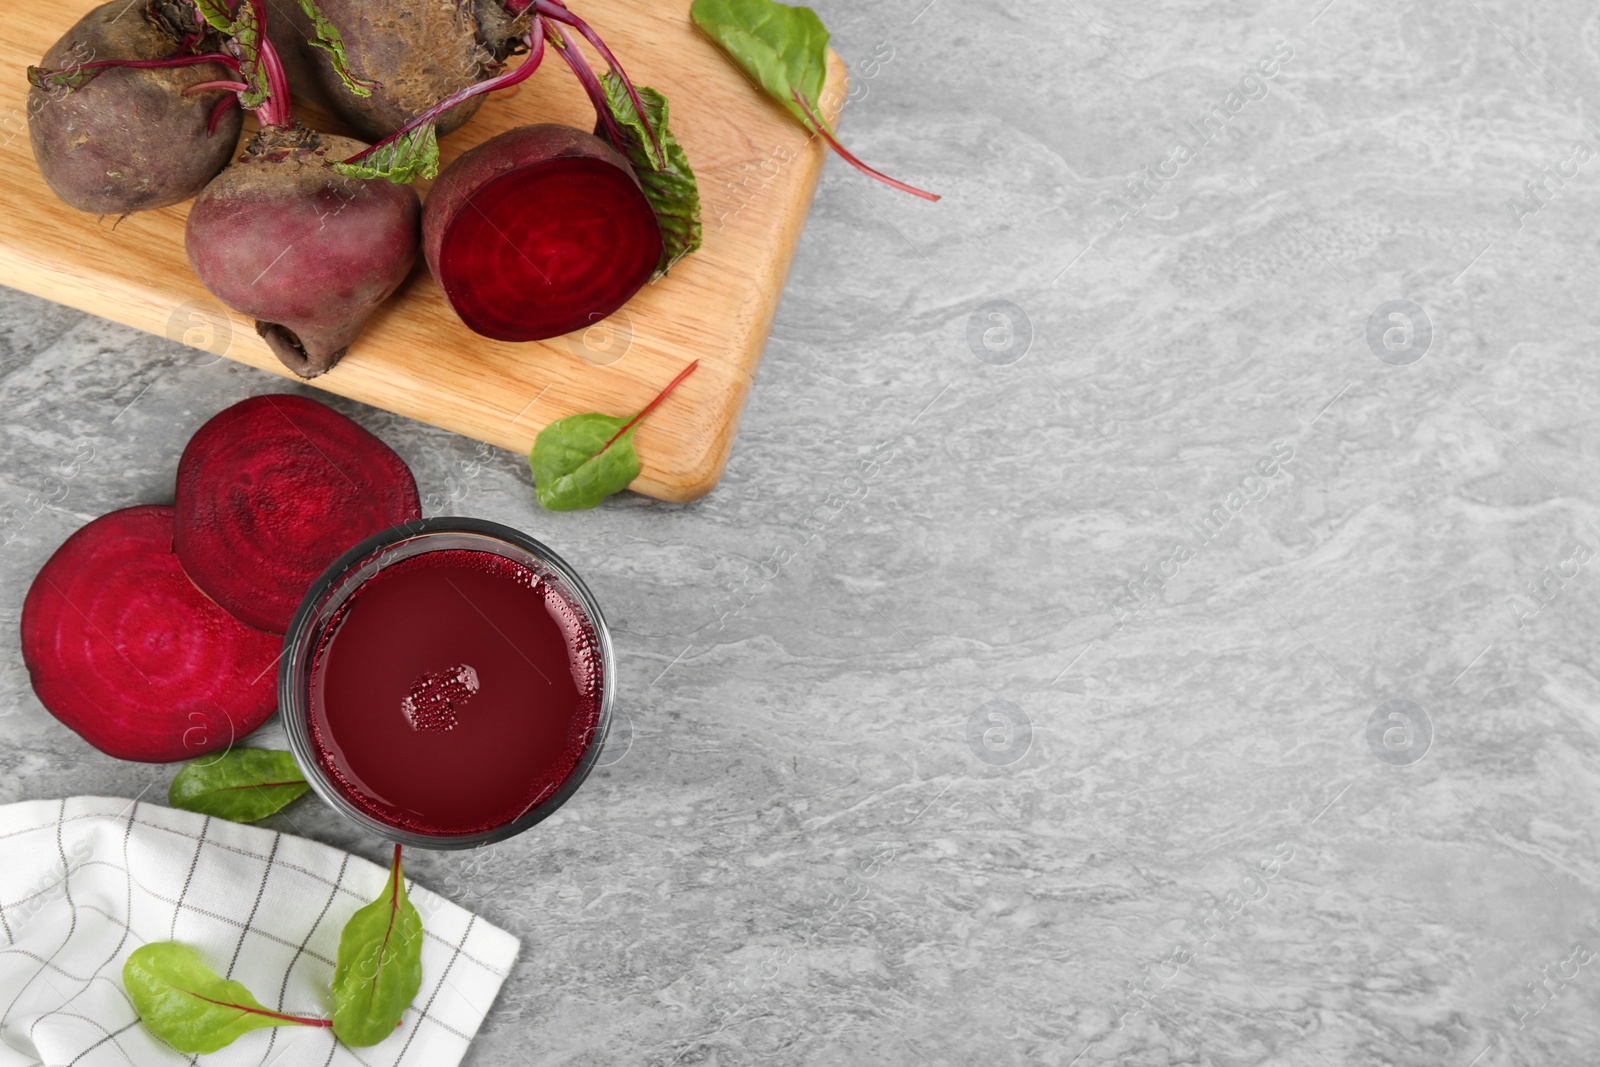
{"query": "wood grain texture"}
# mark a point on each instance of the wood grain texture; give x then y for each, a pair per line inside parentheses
(757, 171)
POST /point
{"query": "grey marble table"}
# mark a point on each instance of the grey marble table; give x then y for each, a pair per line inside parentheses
(1189, 660)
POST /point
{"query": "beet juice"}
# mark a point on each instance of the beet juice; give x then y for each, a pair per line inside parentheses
(454, 690)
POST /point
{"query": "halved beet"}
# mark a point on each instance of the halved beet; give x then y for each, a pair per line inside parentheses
(538, 232)
(273, 490)
(124, 649)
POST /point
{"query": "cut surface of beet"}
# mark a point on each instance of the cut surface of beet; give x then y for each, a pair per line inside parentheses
(122, 648)
(274, 489)
(539, 232)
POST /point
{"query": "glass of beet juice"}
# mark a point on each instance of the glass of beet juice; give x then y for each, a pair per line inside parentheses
(447, 683)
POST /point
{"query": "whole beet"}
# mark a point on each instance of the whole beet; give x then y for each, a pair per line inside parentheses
(307, 252)
(414, 53)
(129, 140)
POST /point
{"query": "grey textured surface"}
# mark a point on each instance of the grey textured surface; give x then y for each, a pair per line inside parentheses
(910, 779)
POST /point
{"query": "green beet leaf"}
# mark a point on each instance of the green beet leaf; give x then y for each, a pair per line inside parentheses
(242, 784)
(187, 1005)
(572, 467)
(69, 78)
(217, 15)
(246, 33)
(327, 37)
(670, 186)
(379, 968)
(580, 460)
(413, 155)
(785, 49)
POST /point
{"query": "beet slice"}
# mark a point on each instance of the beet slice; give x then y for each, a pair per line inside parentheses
(538, 232)
(122, 648)
(274, 489)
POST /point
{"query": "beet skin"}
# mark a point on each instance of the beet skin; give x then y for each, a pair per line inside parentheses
(414, 53)
(129, 140)
(310, 254)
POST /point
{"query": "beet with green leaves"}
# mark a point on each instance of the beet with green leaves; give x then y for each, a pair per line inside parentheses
(408, 55)
(547, 229)
(271, 491)
(538, 232)
(308, 252)
(279, 235)
(118, 115)
(122, 647)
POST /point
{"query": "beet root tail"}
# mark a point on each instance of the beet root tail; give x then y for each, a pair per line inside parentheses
(310, 352)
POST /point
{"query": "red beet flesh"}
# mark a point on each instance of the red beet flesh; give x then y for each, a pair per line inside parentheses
(122, 648)
(271, 492)
(538, 232)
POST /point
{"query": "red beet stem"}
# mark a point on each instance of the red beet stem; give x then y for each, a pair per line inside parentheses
(278, 110)
(648, 408)
(568, 48)
(394, 891)
(231, 86)
(266, 785)
(300, 1019)
(222, 108)
(559, 12)
(153, 64)
(535, 41)
(394, 903)
(822, 129)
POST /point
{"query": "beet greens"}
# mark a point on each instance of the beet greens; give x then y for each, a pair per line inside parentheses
(785, 49)
(580, 460)
(378, 972)
(190, 1006)
(379, 967)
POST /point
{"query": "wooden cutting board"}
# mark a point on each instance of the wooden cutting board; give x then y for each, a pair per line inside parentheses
(757, 170)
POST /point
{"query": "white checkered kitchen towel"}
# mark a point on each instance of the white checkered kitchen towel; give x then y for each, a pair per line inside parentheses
(85, 881)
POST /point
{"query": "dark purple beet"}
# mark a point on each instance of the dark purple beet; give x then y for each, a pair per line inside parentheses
(413, 53)
(307, 252)
(131, 139)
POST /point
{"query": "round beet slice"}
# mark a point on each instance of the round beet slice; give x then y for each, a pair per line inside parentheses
(538, 232)
(122, 648)
(274, 489)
